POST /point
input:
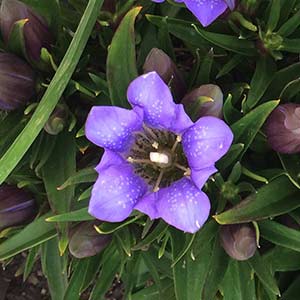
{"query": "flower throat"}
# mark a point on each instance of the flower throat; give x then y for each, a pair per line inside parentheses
(158, 157)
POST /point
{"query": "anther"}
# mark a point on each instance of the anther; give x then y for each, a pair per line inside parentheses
(177, 141)
(155, 145)
(187, 173)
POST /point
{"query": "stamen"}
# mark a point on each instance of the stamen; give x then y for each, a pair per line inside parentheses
(183, 168)
(139, 160)
(150, 132)
(178, 140)
(158, 181)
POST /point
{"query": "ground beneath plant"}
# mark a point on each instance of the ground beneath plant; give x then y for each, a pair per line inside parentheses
(35, 287)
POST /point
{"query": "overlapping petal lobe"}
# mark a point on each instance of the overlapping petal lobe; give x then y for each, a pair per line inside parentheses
(206, 11)
(147, 205)
(183, 205)
(206, 142)
(150, 93)
(199, 177)
(115, 193)
(108, 159)
(111, 127)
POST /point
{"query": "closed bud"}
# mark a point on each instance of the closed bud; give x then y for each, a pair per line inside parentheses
(85, 241)
(56, 121)
(238, 240)
(16, 206)
(36, 32)
(17, 82)
(206, 100)
(283, 128)
(158, 61)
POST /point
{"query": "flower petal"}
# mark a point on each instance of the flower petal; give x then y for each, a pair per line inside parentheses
(111, 127)
(147, 205)
(183, 205)
(108, 159)
(206, 142)
(199, 177)
(115, 193)
(152, 95)
(206, 11)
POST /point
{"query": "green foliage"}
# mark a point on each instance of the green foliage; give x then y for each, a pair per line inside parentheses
(99, 48)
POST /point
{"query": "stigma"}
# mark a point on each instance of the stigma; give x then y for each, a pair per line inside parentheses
(162, 159)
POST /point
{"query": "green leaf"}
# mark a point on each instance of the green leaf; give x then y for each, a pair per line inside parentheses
(72, 216)
(108, 272)
(159, 230)
(290, 45)
(52, 265)
(293, 290)
(247, 127)
(282, 259)
(82, 176)
(84, 271)
(121, 59)
(280, 235)
(190, 274)
(58, 168)
(230, 65)
(32, 235)
(228, 42)
(263, 75)
(216, 271)
(238, 282)
(290, 25)
(263, 273)
(192, 34)
(53, 93)
(274, 15)
(275, 198)
(291, 164)
(281, 79)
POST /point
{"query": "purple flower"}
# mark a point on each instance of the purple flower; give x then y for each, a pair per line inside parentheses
(156, 160)
(206, 11)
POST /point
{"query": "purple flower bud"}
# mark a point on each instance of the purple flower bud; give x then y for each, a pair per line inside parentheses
(85, 241)
(207, 100)
(158, 61)
(16, 206)
(36, 31)
(17, 82)
(238, 240)
(283, 128)
(57, 121)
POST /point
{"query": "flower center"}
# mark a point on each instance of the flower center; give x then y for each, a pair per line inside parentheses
(158, 157)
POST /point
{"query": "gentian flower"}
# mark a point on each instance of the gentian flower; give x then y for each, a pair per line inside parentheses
(238, 240)
(283, 128)
(156, 159)
(206, 11)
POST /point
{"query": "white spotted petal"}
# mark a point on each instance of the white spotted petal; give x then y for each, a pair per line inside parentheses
(111, 127)
(206, 142)
(183, 205)
(149, 93)
(115, 193)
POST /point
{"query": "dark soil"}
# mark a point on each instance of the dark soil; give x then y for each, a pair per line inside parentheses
(12, 287)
